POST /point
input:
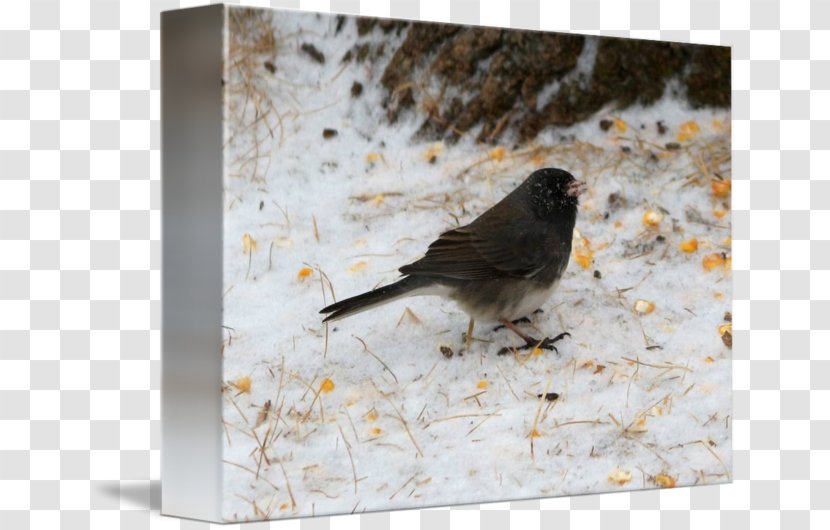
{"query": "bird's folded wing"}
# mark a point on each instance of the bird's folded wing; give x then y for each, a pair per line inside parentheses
(465, 253)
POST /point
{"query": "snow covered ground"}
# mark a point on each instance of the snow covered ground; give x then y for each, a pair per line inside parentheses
(368, 414)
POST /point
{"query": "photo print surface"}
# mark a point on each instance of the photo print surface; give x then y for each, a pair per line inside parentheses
(351, 145)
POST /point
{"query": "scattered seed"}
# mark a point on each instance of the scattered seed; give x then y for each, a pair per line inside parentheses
(243, 384)
(713, 260)
(665, 481)
(727, 339)
(721, 188)
(652, 218)
(619, 476)
(644, 307)
(327, 385)
(313, 52)
(263, 414)
(550, 396)
(248, 243)
(615, 201)
(688, 130)
(690, 245)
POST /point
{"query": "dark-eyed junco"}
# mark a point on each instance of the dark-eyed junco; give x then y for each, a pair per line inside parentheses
(502, 266)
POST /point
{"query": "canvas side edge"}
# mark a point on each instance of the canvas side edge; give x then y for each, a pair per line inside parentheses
(192, 52)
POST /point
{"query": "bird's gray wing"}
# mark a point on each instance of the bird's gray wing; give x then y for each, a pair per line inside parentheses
(481, 252)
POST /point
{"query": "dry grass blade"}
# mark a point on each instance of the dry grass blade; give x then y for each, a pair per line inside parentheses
(351, 422)
(408, 314)
(481, 422)
(405, 426)
(233, 402)
(252, 45)
(643, 413)
(403, 486)
(705, 444)
(533, 431)
(457, 417)
(288, 485)
(261, 449)
(667, 366)
(378, 359)
(581, 422)
(326, 278)
(252, 472)
(509, 386)
(351, 459)
(631, 380)
(326, 324)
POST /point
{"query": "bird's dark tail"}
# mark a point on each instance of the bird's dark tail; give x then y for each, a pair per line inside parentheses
(381, 295)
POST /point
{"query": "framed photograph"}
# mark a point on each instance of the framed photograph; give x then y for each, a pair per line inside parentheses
(411, 264)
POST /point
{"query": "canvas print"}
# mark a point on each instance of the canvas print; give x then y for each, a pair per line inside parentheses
(466, 264)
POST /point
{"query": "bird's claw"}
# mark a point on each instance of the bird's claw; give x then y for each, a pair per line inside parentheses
(550, 342)
(523, 320)
(545, 344)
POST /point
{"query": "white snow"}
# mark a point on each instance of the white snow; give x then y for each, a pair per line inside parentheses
(404, 426)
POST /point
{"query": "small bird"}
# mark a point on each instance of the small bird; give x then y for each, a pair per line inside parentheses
(500, 267)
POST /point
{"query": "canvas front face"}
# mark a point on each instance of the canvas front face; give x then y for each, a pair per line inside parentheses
(350, 145)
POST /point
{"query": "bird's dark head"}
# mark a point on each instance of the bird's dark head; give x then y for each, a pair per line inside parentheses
(553, 191)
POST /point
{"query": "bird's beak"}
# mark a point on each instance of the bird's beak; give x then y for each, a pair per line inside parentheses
(576, 188)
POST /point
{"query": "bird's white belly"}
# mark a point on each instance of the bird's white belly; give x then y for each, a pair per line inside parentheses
(531, 302)
(518, 299)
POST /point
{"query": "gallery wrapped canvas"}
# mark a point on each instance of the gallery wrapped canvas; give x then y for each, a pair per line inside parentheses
(411, 264)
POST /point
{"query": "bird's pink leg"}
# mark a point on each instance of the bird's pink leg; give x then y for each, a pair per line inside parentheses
(512, 327)
(530, 342)
(469, 338)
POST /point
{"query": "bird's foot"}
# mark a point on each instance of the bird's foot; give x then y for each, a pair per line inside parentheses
(545, 344)
(523, 320)
(548, 343)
